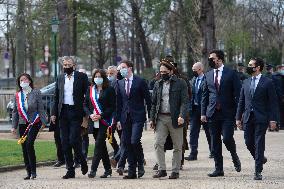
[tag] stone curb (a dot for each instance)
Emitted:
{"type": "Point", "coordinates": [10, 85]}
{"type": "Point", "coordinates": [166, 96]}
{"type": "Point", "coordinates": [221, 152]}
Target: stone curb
{"type": "Point", "coordinates": [22, 166]}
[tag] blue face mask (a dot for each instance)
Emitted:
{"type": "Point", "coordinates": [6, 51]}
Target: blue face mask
{"type": "Point", "coordinates": [124, 72]}
{"type": "Point", "coordinates": [111, 78]}
{"type": "Point", "coordinates": [98, 80]}
{"type": "Point", "coordinates": [281, 72]}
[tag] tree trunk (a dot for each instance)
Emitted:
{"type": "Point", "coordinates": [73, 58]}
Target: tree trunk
{"type": "Point", "coordinates": [113, 37]}
{"type": "Point", "coordinates": [13, 49]}
{"type": "Point", "coordinates": [64, 28]}
{"type": "Point", "coordinates": [141, 34]}
{"type": "Point", "coordinates": [207, 29]}
{"type": "Point", "coordinates": [20, 37]}
{"type": "Point", "coordinates": [74, 29]}
{"type": "Point", "coordinates": [138, 57]}
{"type": "Point", "coordinates": [31, 58]}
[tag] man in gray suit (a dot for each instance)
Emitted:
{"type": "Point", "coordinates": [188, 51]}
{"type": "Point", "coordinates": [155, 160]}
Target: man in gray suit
{"type": "Point", "coordinates": [70, 90]}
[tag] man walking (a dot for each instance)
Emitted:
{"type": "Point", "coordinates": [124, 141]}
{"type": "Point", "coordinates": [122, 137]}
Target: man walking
{"type": "Point", "coordinates": [168, 114]}
{"type": "Point", "coordinates": [132, 91]}
{"type": "Point", "coordinates": [195, 104]}
{"type": "Point", "coordinates": [70, 90]}
{"type": "Point", "coordinates": [218, 107]}
{"type": "Point", "coordinates": [258, 109]}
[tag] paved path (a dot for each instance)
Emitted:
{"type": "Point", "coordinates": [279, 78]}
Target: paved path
{"type": "Point", "coordinates": [193, 175]}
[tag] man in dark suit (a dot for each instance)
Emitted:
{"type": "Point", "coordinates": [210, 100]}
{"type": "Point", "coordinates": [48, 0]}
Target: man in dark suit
{"type": "Point", "coordinates": [195, 113]}
{"type": "Point", "coordinates": [218, 107]}
{"type": "Point", "coordinates": [258, 109]}
{"type": "Point", "coordinates": [70, 90]}
{"type": "Point", "coordinates": [131, 113]}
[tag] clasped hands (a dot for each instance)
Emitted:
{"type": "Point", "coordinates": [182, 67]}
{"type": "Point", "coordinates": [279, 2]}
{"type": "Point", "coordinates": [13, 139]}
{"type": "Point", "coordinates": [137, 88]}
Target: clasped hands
{"type": "Point", "coordinates": [95, 117]}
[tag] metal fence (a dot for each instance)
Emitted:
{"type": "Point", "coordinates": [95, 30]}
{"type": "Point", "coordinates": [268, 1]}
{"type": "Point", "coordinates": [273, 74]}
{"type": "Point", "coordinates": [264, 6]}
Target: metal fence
{"type": "Point", "coordinates": [5, 113]}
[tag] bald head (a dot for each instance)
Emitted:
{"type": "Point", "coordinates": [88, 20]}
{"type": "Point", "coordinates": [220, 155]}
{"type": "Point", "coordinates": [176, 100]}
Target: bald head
{"type": "Point", "coordinates": [198, 67]}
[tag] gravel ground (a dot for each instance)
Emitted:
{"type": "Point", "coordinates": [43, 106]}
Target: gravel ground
{"type": "Point", "coordinates": [194, 174]}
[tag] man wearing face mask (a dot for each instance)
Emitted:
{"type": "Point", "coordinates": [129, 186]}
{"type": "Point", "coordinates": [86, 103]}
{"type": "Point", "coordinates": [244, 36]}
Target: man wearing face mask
{"type": "Point", "coordinates": [132, 92]}
{"type": "Point", "coordinates": [168, 114]}
{"type": "Point", "coordinates": [70, 90]}
{"type": "Point", "coordinates": [258, 109]}
{"type": "Point", "coordinates": [220, 97]}
{"type": "Point", "coordinates": [195, 104]}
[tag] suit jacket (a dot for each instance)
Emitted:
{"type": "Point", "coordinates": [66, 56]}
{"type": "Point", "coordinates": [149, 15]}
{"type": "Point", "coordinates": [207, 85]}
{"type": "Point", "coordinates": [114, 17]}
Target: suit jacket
{"type": "Point", "coordinates": [107, 100]}
{"type": "Point", "coordinates": [227, 96]}
{"type": "Point", "coordinates": [199, 93]}
{"type": "Point", "coordinates": [178, 100]}
{"type": "Point", "coordinates": [134, 103]}
{"type": "Point", "coordinates": [80, 87]}
{"type": "Point", "coordinates": [34, 105]}
{"type": "Point", "coordinates": [263, 103]}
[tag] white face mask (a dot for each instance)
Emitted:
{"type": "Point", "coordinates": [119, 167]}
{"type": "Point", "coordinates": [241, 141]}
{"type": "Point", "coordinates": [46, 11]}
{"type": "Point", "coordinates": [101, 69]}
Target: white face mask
{"type": "Point", "coordinates": [98, 80]}
{"type": "Point", "coordinates": [25, 85]}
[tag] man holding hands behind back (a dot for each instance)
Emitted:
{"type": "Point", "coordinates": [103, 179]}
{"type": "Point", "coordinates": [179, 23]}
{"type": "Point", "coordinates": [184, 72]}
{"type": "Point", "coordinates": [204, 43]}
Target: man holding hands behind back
{"type": "Point", "coordinates": [258, 109]}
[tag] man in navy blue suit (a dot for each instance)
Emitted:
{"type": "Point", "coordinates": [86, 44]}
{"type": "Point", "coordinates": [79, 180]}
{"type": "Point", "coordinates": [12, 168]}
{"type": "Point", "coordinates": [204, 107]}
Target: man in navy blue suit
{"type": "Point", "coordinates": [195, 113]}
{"type": "Point", "coordinates": [220, 97]}
{"type": "Point", "coordinates": [257, 108]}
{"type": "Point", "coordinates": [131, 95]}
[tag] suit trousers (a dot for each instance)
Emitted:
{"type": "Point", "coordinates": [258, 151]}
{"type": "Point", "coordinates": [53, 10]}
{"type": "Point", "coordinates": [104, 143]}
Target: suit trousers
{"type": "Point", "coordinates": [163, 128]}
{"type": "Point", "coordinates": [195, 130]}
{"type": "Point", "coordinates": [100, 151]}
{"type": "Point", "coordinates": [57, 139]}
{"type": "Point", "coordinates": [254, 134]}
{"type": "Point", "coordinates": [131, 137]}
{"type": "Point", "coordinates": [28, 147]}
{"type": "Point", "coordinates": [70, 133]}
{"type": "Point", "coordinates": [218, 128]}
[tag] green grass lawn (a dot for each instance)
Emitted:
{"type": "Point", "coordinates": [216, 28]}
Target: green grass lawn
{"type": "Point", "coordinates": [11, 152]}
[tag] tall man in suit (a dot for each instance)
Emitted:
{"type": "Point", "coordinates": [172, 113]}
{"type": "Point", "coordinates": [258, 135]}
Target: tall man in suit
{"type": "Point", "coordinates": [218, 107]}
{"type": "Point", "coordinates": [131, 114]}
{"type": "Point", "coordinates": [258, 109]}
{"type": "Point", "coordinates": [195, 104]}
{"type": "Point", "coordinates": [70, 90]}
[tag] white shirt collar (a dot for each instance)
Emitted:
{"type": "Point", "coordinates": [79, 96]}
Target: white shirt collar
{"type": "Point", "coordinates": [258, 76]}
{"type": "Point", "coordinates": [70, 75]}
{"type": "Point", "coordinates": [220, 69]}
{"type": "Point", "coordinates": [130, 79]}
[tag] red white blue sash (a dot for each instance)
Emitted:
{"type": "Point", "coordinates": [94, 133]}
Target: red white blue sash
{"type": "Point", "coordinates": [22, 110]}
{"type": "Point", "coordinates": [97, 105]}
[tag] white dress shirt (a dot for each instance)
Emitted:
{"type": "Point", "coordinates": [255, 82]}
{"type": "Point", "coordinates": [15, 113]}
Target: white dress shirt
{"type": "Point", "coordinates": [68, 90]}
{"type": "Point", "coordinates": [219, 73]}
{"type": "Point", "coordinates": [257, 78]}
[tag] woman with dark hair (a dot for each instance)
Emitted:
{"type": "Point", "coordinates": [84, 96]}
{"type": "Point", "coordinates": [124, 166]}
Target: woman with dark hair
{"type": "Point", "coordinates": [28, 116]}
{"type": "Point", "coordinates": [99, 106]}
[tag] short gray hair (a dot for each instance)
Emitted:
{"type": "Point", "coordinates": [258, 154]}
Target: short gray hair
{"type": "Point", "coordinates": [67, 58]}
{"type": "Point", "coordinates": [112, 67]}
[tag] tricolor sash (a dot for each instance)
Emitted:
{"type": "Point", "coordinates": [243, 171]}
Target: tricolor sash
{"type": "Point", "coordinates": [22, 110]}
{"type": "Point", "coordinates": [98, 111]}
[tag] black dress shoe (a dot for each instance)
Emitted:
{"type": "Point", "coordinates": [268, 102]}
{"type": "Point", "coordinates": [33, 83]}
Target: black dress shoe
{"type": "Point", "coordinates": [59, 164]}
{"type": "Point", "coordinates": [92, 174]}
{"type": "Point", "coordinates": [160, 173]}
{"type": "Point", "coordinates": [69, 175]}
{"type": "Point", "coordinates": [84, 168]}
{"type": "Point", "coordinates": [120, 171]}
{"type": "Point", "coordinates": [106, 173]}
{"type": "Point", "coordinates": [174, 175]}
{"type": "Point", "coordinates": [216, 174]}
{"type": "Point", "coordinates": [141, 173]}
{"type": "Point", "coordinates": [237, 163]}
{"type": "Point", "coordinates": [264, 160]}
{"type": "Point", "coordinates": [257, 176]}
{"type": "Point", "coordinates": [27, 177]}
{"type": "Point", "coordinates": [33, 176]}
{"type": "Point", "coordinates": [130, 177]}
{"type": "Point", "coordinates": [156, 166]}
{"type": "Point", "coordinates": [191, 158]}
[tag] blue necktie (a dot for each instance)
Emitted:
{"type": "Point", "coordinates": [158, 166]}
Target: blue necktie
{"type": "Point", "coordinates": [196, 91]}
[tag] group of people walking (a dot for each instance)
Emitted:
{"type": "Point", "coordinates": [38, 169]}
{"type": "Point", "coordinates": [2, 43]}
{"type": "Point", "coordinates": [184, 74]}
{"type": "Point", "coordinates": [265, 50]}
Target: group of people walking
{"type": "Point", "coordinates": [119, 100]}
